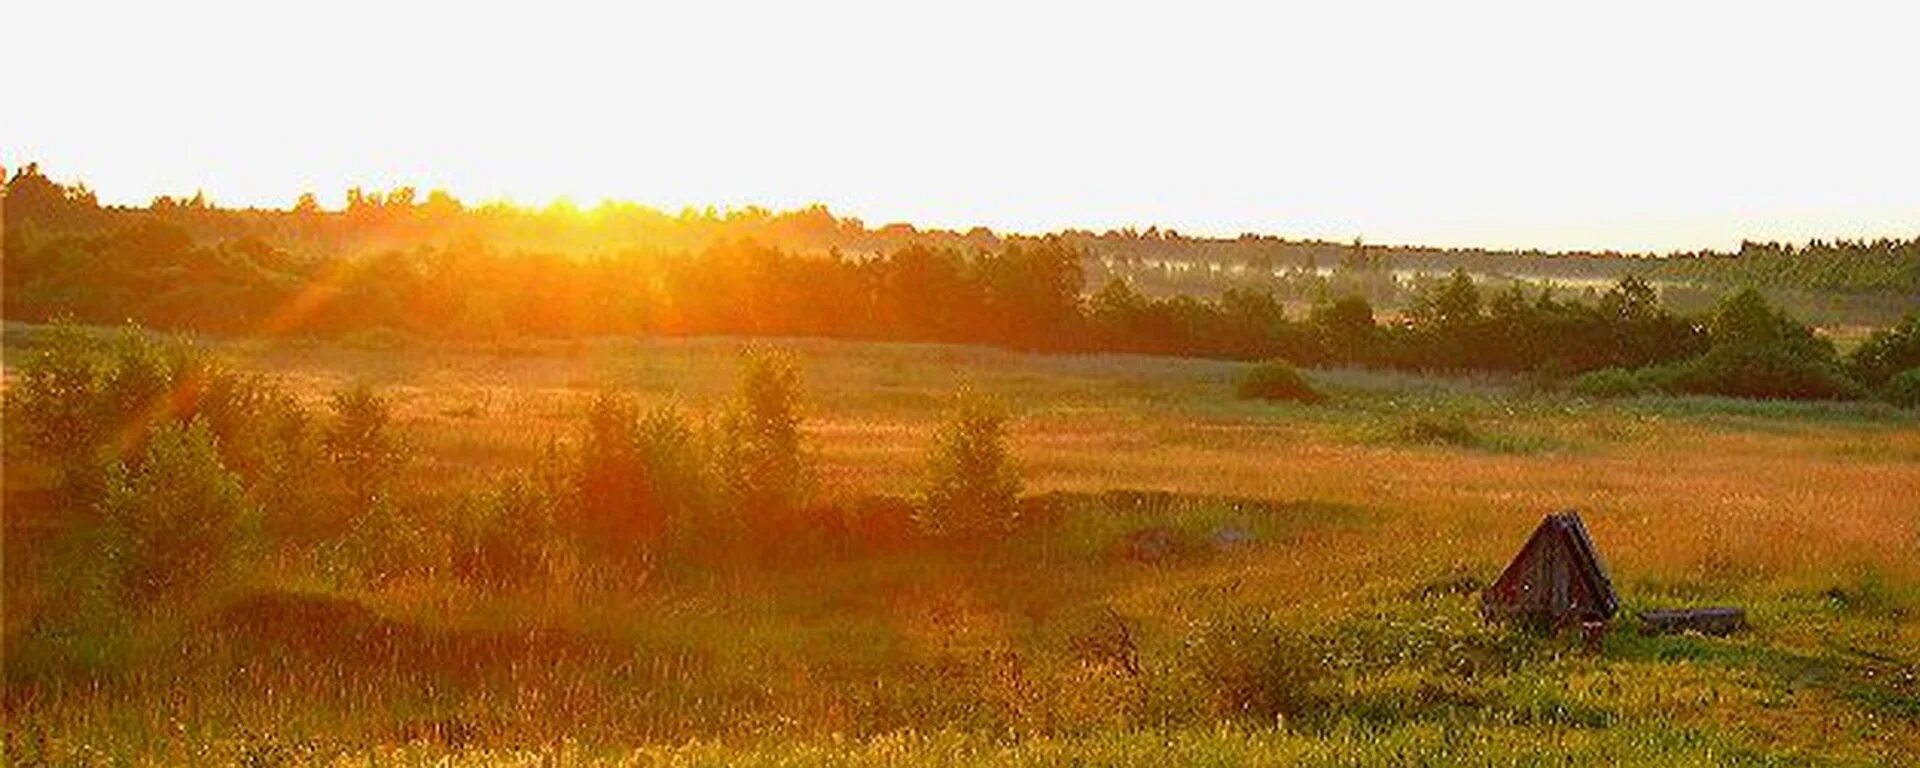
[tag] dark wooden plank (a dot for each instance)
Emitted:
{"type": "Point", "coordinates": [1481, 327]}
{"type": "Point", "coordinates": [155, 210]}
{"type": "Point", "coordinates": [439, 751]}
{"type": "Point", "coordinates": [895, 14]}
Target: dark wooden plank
{"type": "Point", "coordinates": [1718, 621]}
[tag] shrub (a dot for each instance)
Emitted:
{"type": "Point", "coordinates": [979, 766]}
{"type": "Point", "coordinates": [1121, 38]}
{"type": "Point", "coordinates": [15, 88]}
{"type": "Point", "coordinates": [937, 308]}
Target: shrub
{"type": "Point", "coordinates": [1345, 329]}
{"type": "Point", "coordinates": [607, 480]}
{"type": "Point", "coordinates": [360, 447]}
{"type": "Point", "coordinates": [1759, 352]}
{"type": "Point", "coordinates": [765, 471]}
{"type": "Point", "coordinates": [1888, 352]}
{"type": "Point", "coordinates": [1745, 370]}
{"type": "Point", "coordinates": [1611, 382]}
{"type": "Point", "coordinates": [53, 403]}
{"type": "Point", "coordinates": [84, 392]}
{"type": "Point", "coordinates": [1276, 380]}
{"type": "Point", "coordinates": [175, 515]}
{"type": "Point", "coordinates": [244, 412]}
{"type": "Point", "coordinates": [639, 479]}
{"type": "Point", "coordinates": [1663, 379]}
{"type": "Point", "coordinates": [377, 537]}
{"type": "Point", "coordinates": [972, 491]}
{"type": "Point", "coordinates": [502, 537]}
{"type": "Point", "coordinates": [678, 477]}
{"type": "Point", "coordinates": [1745, 319]}
{"type": "Point", "coordinates": [1257, 668]}
{"type": "Point", "coordinates": [140, 383]}
{"type": "Point", "coordinates": [1904, 389]}
{"type": "Point", "coordinates": [85, 401]}
{"type": "Point", "coordinates": [288, 486]}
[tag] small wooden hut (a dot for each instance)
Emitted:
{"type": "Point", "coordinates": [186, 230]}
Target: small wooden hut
{"type": "Point", "coordinates": [1556, 581]}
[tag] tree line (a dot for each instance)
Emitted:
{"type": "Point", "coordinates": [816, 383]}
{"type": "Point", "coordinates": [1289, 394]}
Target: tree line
{"type": "Point", "coordinates": [70, 258]}
{"type": "Point", "coordinates": [405, 218]}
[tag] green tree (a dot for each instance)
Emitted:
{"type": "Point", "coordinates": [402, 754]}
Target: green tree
{"type": "Point", "coordinates": [638, 479]}
{"type": "Point", "coordinates": [764, 468]}
{"type": "Point", "coordinates": [360, 447]}
{"type": "Point", "coordinates": [973, 489]}
{"type": "Point", "coordinates": [1449, 306]}
{"type": "Point", "coordinates": [1903, 389]}
{"type": "Point", "coordinates": [1759, 352]}
{"type": "Point", "coordinates": [1745, 319]}
{"type": "Point", "coordinates": [53, 404]}
{"type": "Point", "coordinates": [1888, 352]}
{"type": "Point", "coordinates": [1032, 293]}
{"type": "Point", "coordinates": [176, 514]}
{"type": "Point", "coordinates": [1448, 325]}
{"type": "Point", "coordinates": [1346, 329]}
{"type": "Point", "coordinates": [1632, 300]}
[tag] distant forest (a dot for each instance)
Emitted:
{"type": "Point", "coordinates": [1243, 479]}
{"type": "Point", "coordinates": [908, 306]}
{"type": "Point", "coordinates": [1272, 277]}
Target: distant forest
{"type": "Point", "coordinates": [397, 264]}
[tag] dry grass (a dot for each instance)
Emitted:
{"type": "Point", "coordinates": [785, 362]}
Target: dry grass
{"type": "Point", "coordinates": [1786, 496]}
{"type": "Point", "coordinates": [1805, 514]}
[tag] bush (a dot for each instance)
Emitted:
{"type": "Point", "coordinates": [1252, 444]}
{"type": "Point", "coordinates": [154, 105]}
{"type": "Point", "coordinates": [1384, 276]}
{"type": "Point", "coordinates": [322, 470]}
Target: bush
{"type": "Point", "coordinates": [1611, 382]}
{"type": "Point", "coordinates": [53, 405]}
{"type": "Point", "coordinates": [679, 483]}
{"type": "Point", "coordinates": [84, 391]}
{"type": "Point", "coordinates": [1745, 319]}
{"type": "Point", "coordinates": [377, 536]}
{"type": "Point", "coordinates": [609, 479]}
{"type": "Point", "coordinates": [1745, 370]}
{"type": "Point", "coordinates": [1888, 352]}
{"type": "Point", "coordinates": [761, 459]}
{"type": "Point", "coordinates": [244, 412]}
{"type": "Point", "coordinates": [1759, 352]}
{"type": "Point", "coordinates": [1276, 380]}
{"type": "Point", "coordinates": [288, 487]}
{"type": "Point", "coordinates": [174, 516]}
{"type": "Point", "coordinates": [141, 381]}
{"type": "Point", "coordinates": [502, 537]}
{"type": "Point", "coordinates": [361, 448]}
{"type": "Point", "coordinates": [1904, 389]}
{"type": "Point", "coordinates": [86, 395]}
{"type": "Point", "coordinates": [638, 480]}
{"type": "Point", "coordinates": [1345, 330]}
{"type": "Point", "coordinates": [973, 491]}
{"type": "Point", "coordinates": [1259, 669]}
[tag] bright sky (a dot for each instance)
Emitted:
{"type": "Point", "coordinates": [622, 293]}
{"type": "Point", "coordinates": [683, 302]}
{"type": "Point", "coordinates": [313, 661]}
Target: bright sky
{"type": "Point", "coordinates": [1630, 125]}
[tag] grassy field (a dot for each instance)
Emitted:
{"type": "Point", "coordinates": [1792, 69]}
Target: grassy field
{"type": "Point", "coordinates": [1321, 608]}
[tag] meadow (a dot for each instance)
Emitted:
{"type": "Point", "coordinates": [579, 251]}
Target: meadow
{"type": "Point", "coordinates": [1317, 603]}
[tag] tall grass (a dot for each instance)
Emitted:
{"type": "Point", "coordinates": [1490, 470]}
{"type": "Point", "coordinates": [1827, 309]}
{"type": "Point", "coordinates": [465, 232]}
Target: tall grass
{"type": "Point", "coordinates": [1322, 614]}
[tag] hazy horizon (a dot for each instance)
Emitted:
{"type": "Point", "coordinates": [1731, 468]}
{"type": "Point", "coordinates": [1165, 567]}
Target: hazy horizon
{"type": "Point", "coordinates": [1640, 128]}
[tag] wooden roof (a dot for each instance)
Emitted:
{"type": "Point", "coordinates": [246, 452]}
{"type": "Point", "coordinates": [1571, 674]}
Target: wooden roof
{"type": "Point", "coordinates": [1556, 578]}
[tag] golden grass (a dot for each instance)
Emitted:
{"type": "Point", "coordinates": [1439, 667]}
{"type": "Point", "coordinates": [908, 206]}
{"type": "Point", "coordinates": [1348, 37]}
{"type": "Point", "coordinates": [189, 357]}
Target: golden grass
{"type": "Point", "coordinates": [1688, 500]}
{"type": "Point", "coordinates": [1667, 494]}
